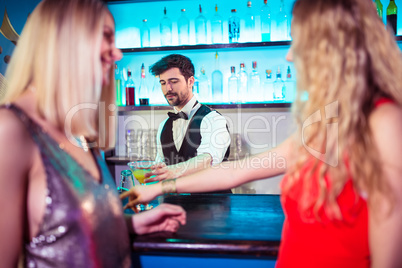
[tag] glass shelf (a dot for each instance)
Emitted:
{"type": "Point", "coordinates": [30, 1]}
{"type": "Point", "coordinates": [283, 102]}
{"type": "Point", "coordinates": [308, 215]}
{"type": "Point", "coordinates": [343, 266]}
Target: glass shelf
{"type": "Point", "coordinates": [216, 46]}
{"type": "Point", "coordinates": [124, 109]}
{"type": "Point", "coordinates": [210, 46]}
{"type": "Point", "coordinates": [134, 1]}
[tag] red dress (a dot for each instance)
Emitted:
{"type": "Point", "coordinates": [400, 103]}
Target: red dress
{"type": "Point", "coordinates": [324, 243]}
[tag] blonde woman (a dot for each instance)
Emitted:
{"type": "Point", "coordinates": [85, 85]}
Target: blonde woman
{"type": "Point", "coordinates": [342, 191]}
{"type": "Point", "coordinates": [58, 201]}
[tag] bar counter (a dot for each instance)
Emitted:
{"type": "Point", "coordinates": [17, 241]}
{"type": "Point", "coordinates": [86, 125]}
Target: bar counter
{"type": "Point", "coordinates": [221, 229]}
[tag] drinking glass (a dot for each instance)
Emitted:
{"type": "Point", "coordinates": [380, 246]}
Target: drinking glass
{"type": "Point", "coordinates": [140, 168]}
{"type": "Point", "coordinates": [126, 181]}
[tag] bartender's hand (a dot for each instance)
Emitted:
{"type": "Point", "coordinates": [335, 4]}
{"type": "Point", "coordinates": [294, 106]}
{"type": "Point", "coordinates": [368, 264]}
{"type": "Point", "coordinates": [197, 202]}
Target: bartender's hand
{"type": "Point", "coordinates": [165, 217]}
{"type": "Point", "coordinates": [160, 172]}
{"type": "Point", "coordinates": [141, 194]}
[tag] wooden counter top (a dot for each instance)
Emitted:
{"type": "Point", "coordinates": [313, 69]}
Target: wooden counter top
{"type": "Point", "coordinates": [228, 224]}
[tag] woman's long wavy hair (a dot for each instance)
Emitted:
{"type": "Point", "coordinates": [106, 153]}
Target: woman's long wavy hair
{"type": "Point", "coordinates": [59, 52]}
{"type": "Point", "coordinates": [345, 61]}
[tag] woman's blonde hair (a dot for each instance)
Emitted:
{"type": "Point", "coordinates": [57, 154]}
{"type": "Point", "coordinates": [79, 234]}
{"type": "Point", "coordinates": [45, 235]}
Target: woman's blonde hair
{"type": "Point", "coordinates": [59, 53]}
{"type": "Point", "coordinates": [345, 61]}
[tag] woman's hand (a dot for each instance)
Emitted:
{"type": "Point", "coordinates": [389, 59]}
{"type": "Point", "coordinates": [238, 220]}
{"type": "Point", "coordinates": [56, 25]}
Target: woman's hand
{"type": "Point", "coordinates": [161, 172]}
{"type": "Point", "coordinates": [165, 217]}
{"type": "Point", "coordinates": [140, 194]}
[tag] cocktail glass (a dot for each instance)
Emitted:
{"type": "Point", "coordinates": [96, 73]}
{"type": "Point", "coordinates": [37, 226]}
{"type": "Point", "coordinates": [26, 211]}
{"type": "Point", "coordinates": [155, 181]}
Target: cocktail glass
{"type": "Point", "coordinates": [140, 168]}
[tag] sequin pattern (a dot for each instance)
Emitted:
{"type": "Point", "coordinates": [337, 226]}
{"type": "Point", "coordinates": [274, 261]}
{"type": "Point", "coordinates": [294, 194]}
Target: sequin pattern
{"type": "Point", "coordinates": [83, 225]}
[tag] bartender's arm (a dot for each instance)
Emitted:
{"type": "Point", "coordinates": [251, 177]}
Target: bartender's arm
{"type": "Point", "coordinates": [215, 140]}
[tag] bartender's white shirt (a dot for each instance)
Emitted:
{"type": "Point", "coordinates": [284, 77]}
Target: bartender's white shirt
{"type": "Point", "coordinates": [215, 138]}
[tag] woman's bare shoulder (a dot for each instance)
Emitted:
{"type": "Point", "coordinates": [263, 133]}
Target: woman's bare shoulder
{"type": "Point", "coordinates": [386, 128]}
{"type": "Point", "coordinates": [14, 137]}
{"type": "Point", "coordinates": [11, 126]}
{"type": "Point", "coordinates": [386, 120]}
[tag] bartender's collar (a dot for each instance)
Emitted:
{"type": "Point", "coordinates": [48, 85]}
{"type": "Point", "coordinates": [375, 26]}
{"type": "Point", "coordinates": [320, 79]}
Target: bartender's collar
{"type": "Point", "coordinates": [188, 107]}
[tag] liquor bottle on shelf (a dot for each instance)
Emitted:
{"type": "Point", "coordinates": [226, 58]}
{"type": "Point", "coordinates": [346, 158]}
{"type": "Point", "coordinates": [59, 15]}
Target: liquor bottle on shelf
{"type": "Point", "coordinates": [118, 82]}
{"type": "Point", "coordinates": [392, 11]}
{"type": "Point", "coordinates": [265, 22]}
{"type": "Point", "coordinates": [204, 92]}
{"type": "Point", "coordinates": [130, 89]}
{"type": "Point", "coordinates": [143, 94]}
{"type": "Point", "coordinates": [233, 86]}
{"type": "Point", "coordinates": [255, 83]}
{"type": "Point", "coordinates": [216, 28]}
{"type": "Point", "coordinates": [249, 25]}
{"type": "Point", "coordinates": [378, 5]}
{"type": "Point", "coordinates": [268, 86]}
{"type": "Point", "coordinates": [279, 87]}
{"type": "Point", "coordinates": [282, 24]}
{"type": "Point", "coordinates": [183, 28]}
{"type": "Point", "coordinates": [217, 82]}
{"type": "Point", "coordinates": [165, 27]}
{"type": "Point", "coordinates": [290, 86]}
{"type": "Point", "coordinates": [243, 83]}
{"type": "Point", "coordinates": [156, 96]}
{"type": "Point", "coordinates": [123, 73]}
{"type": "Point", "coordinates": [234, 27]}
{"type": "Point", "coordinates": [145, 34]}
{"type": "Point", "coordinates": [200, 29]}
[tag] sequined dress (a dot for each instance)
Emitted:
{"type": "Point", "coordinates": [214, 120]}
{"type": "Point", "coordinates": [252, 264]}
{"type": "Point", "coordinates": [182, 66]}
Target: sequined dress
{"type": "Point", "coordinates": [83, 224]}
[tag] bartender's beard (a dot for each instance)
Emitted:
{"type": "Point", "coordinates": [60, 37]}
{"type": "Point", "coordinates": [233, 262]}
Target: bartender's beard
{"type": "Point", "coordinates": [179, 99]}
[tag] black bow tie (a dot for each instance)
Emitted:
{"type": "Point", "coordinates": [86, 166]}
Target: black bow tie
{"type": "Point", "coordinates": [175, 116]}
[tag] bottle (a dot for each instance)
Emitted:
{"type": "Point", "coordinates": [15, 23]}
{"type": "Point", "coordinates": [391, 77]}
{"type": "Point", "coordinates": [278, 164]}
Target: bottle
{"type": "Point", "coordinates": [183, 28]}
{"type": "Point", "coordinates": [217, 82]}
{"type": "Point", "coordinates": [156, 96]}
{"type": "Point", "coordinates": [268, 86]}
{"type": "Point", "coordinates": [279, 87]}
{"type": "Point", "coordinates": [143, 94]}
{"type": "Point", "coordinates": [290, 86]}
{"type": "Point", "coordinates": [265, 22]}
{"type": "Point", "coordinates": [165, 27]}
{"type": "Point", "coordinates": [378, 5]}
{"type": "Point", "coordinates": [216, 28]}
{"type": "Point", "coordinates": [282, 23]}
{"type": "Point", "coordinates": [233, 86]}
{"type": "Point", "coordinates": [243, 83]}
{"type": "Point", "coordinates": [234, 27]}
{"type": "Point", "coordinates": [145, 34]}
{"type": "Point", "coordinates": [204, 92]}
{"type": "Point", "coordinates": [249, 25]}
{"type": "Point", "coordinates": [392, 11]}
{"type": "Point", "coordinates": [255, 81]}
{"type": "Point", "coordinates": [200, 29]}
{"type": "Point", "coordinates": [130, 89]}
{"type": "Point", "coordinates": [123, 74]}
{"type": "Point", "coordinates": [117, 79]}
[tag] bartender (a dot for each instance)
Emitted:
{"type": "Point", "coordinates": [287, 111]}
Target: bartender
{"type": "Point", "coordinates": [194, 136]}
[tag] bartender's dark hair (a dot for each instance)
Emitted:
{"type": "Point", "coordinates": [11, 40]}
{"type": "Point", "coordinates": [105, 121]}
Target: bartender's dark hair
{"type": "Point", "coordinates": [184, 64]}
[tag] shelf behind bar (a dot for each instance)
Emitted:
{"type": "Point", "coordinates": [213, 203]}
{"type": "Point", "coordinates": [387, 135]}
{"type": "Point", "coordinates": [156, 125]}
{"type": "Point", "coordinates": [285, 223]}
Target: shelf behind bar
{"type": "Point", "coordinates": [124, 109]}
{"type": "Point", "coordinates": [211, 46]}
{"type": "Point", "coordinates": [133, 1]}
{"type": "Point", "coordinates": [215, 46]}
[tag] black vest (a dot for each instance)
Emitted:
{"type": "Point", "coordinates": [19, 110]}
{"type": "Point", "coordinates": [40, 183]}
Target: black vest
{"type": "Point", "coordinates": [191, 141]}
